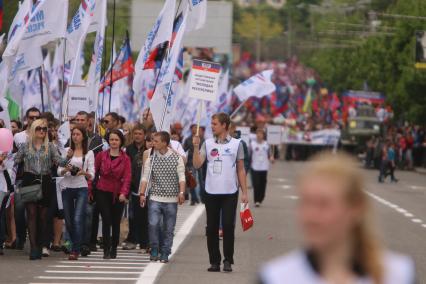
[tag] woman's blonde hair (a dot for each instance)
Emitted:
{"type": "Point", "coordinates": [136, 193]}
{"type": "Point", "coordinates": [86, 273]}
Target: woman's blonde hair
{"type": "Point", "coordinates": [366, 247]}
{"type": "Point", "coordinates": [31, 137]}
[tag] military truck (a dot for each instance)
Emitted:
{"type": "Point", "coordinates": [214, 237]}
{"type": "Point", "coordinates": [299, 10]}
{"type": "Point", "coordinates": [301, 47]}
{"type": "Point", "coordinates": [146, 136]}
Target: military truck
{"type": "Point", "coordinates": [360, 128]}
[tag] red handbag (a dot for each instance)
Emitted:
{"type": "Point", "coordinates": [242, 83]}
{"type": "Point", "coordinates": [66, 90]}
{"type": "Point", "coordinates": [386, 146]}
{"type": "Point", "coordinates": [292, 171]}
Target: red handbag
{"type": "Point", "coordinates": [246, 217]}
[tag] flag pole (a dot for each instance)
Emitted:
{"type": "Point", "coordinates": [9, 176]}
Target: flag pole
{"type": "Point", "coordinates": [112, 52]}
{"type": "Point", "coordinates": [238, 108]}
{"type": "Point", "coordinates": [40, 76]}
{"type": "Point", "coordinates": [103, 72]}
{"type": "Point", "coordinates": [63, 81]}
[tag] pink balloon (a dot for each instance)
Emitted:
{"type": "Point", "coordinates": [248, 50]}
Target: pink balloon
{"type": "Point", "coordinates": [6, 140]}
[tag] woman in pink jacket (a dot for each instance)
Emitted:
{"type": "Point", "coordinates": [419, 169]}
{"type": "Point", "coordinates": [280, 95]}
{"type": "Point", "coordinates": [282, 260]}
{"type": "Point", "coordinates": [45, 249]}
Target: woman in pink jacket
{"type": "Point", "coordinates": [113, 168]}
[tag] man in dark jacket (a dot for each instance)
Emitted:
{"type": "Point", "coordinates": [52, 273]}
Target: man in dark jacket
{"type": "Point", "coordinates": [138, 216]}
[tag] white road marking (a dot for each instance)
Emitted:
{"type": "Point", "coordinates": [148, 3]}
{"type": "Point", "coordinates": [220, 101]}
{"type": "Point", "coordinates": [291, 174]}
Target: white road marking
{"type": "Point", "coordinates": [151, 272]}
{"type": "Point", "coordinates": [96, 267]}
{"type": "Point", "coordinates": [416, 187]}
{"type": "Point", "coordinates": [396, 208]}
{"type": "Point", "coordinates": [281, 179]}
{"type": "Point", "coordinates": [293, 197]}
{"type": "Point", "coordinates": [90, 272]}
{"type": "Point", "coordinates": [86, 278]}
{"type": "Point", "coordinates": [286, 186]}
{"type": "Point", "coordinates": [103, 262]}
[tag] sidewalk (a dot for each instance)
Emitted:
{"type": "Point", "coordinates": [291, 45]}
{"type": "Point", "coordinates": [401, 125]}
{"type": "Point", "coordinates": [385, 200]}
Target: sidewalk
{"type": "Point", "coordinates": [271, 236]}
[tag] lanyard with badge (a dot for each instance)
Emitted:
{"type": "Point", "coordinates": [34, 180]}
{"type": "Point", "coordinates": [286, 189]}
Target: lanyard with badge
{"type": "Point", "coordinates": [217, 165]}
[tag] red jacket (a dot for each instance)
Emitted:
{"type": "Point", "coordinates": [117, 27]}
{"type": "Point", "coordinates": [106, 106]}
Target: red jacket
{"type": "Point", "coordinates": [114, 175]}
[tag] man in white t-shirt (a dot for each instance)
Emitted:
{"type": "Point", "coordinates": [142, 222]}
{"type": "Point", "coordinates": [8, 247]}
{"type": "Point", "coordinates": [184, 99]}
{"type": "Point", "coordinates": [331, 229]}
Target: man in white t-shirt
{"type": "Point", "coordinates": [225, 174]}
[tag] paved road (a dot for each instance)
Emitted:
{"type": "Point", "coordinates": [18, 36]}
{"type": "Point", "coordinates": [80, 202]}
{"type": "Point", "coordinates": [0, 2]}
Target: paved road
{"type": "Point", "coordinates": [128, 268]}
{"type": "Point", "coordinates": [401, 218]}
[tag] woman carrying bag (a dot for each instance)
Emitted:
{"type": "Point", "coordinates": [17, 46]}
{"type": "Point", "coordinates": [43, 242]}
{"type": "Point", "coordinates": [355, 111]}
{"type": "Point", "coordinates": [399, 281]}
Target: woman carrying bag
{"type": "Point", "coordinates": [37, 190]}
{"type": "Point", "coordinates": [79, 170]}
{"type": "Point", "coordinates": [114, 170]}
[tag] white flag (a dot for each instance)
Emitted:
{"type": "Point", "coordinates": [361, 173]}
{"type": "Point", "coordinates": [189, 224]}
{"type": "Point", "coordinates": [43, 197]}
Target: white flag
{"type": "Point", "coordinates": [224, 96]}
{"type": "Point", "coordinates": [45, 22]}
{"type": "Point", "coordinates": [259, 85]}
{"type": "Point", "coordinates": [94, 78]}
{"type": "Point", "coordinates": [161, 100]}
{"type": "Point", "coordinates": [78, 28]}
{"type": "Point", "coordinates": [197, 14]}
{"type": "Point", "coordinates": [160, 34]}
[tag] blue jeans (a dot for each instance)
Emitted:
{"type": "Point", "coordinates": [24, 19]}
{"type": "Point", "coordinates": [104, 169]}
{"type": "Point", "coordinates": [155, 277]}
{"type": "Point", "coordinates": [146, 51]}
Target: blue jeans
{"type": "Point", "coordinates": [75, 203]}
{"type": "Point", "coordinates": [167, 212]}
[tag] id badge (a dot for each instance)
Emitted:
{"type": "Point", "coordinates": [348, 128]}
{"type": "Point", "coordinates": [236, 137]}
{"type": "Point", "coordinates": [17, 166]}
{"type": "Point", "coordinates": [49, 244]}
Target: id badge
{"type": "Point", "coordinates": [217, 167]}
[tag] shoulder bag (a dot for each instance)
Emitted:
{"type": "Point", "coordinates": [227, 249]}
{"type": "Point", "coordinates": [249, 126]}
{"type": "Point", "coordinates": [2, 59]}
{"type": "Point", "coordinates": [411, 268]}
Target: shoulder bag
{"type": "Point", "coordinates": [31, 193]}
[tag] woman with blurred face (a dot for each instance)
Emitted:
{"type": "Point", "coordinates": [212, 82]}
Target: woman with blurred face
{"type": "Point", "coordinates": [38, 156]}
{"type": "Point", "coordinates": [113, 167]}
{"type": "Point", "coordinates": [339, 244]}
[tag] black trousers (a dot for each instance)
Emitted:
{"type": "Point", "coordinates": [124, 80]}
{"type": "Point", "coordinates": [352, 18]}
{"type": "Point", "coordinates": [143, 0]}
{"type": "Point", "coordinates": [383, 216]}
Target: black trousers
{"type": "Point", "coordinates": [138, 223]}
{"type": "Point", "coordinates": [259, 180]}
{"type": "Point", "coordinates": [218, 205]}
{"type": "Point", "coordinates": [111, 211]}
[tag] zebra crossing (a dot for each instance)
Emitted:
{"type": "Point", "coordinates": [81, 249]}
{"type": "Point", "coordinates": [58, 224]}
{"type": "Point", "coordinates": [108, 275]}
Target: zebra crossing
{"type": "Point", "coordinates": [128, 267]}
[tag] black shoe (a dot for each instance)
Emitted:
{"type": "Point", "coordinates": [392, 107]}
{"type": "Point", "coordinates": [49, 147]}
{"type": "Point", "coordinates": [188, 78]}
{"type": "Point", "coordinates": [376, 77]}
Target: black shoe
{"type": "Point", "coordinates": [1, 251]}
{"type": "Point", "coordinates": [395, 180]}
{"type": "Point", "coordinates": [227, 267]}
{"type": "Point", "coordinates": [85, 251]}
{"type": "Point", "coordinates": [35, 254]}
{"type": "Point", "coordinates": [107, 254]}
{"type": "Point", "coordinates": [113, 253]}
{"type": "Point", "coordinates": [214, 268]}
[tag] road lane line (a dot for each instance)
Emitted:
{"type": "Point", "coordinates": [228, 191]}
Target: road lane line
{"type": "Point", "coordinates": [151, 272]}
{"type": "Point", "coordinates": [397, 208]}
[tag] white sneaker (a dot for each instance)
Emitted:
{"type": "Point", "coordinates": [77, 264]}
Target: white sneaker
{"type": "Point", "coordinates": [257, 204]}
{"type": "Point", "coordinates": [45, 252]}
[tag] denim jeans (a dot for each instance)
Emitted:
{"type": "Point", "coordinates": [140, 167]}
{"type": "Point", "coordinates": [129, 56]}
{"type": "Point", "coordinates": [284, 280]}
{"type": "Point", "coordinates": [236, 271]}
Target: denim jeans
{"type": "Point", "coordinates": [75, 204]}
{"type": "Point", "coordinates": [167, 212]}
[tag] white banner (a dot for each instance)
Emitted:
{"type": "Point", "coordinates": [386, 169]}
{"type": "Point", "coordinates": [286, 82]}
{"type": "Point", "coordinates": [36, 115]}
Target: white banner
{"type": "Point", "coordinates": [324, 137]}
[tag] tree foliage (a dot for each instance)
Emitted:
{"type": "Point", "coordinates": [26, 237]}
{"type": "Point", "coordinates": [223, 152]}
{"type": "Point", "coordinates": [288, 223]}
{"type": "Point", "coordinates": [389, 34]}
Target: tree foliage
{"type": "Point", "coordinates": [385, 62]}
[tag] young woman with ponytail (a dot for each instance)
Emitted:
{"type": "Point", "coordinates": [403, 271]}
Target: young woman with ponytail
{"type": "Point", "coordinates": [340, 245]}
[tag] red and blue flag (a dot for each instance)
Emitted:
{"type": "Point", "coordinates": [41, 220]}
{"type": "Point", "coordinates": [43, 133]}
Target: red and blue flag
{"type": "Point", "coordinates": [122, 67]}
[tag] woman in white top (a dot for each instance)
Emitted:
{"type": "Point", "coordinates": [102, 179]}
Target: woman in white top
{"type": "Point", "coordinates": [339, 243]}
{"type": "Point", "coordinates": [260, 159]}
{"type": "Point", "coordinates": [80, 169]}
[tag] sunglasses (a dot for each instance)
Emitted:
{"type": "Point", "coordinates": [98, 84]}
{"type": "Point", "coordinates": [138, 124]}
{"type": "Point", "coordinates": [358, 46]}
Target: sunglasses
{"type": "Point", "coordinates": [39, 128]}
{"type": "Point", "coordinates": [33, 117]}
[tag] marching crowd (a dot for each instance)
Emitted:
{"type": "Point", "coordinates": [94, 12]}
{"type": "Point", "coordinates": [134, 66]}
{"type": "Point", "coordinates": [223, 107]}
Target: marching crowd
{"type": "Point", "coordinates": [59, 188]}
